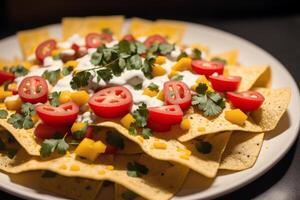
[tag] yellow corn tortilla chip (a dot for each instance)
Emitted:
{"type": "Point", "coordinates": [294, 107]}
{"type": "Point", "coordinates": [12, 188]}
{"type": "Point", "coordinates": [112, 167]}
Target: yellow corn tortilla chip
{"type": "Point", "coordinates": [242, 150]}
{"type": "Point", "coordinates": [85, 25]}
{"type": "Point", "coordinates": [122, 193]}
{"type": "Point", "coordinates": [230, 56]}
{"type": "Point", "coordinates": [30, 39]}
{"type": "Point", "coordinates": [264, 119]}
{"type": "Point", "coordinates": [251, 76]}
{"type": "Point", "coordinates": [140, 27]}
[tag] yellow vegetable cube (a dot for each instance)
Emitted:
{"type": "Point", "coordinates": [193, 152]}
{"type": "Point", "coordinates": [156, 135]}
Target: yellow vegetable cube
{"type": "Point", "coordinates": [75, 167]}
{"type": "Point", "coordinates": [78, 126]}
{"type": "Point", "coordinates": [80, 97]}
{"type": "Point", "coordinates": [160, 60]}
{"type": "Point", "coordinates": [183, 64]}
{"type": "Point", "coordinates": [159, 145]}
{"type": "Point", "coordinates": [202, 79]}
{"type": "Point", "coordinates": [35, 118]}
{"type": "Point", "coordinates": [161, 96]}
{"type": "Point", "coordinates": [56, 52]}
{"type": "Point", "coordinates": [90, 149]}
{"type": "Point", "coordinates": [158, 70]}
{"type": "Point", "coordinates": [236, 116]}
{"type": "Point", "coordinates": [127, 120]}
{"type": "Point", "coordinates": [99, 147]}
{"type": "Point", "coordinates": [172, 73]}
{"type": "Point", "coordinates": [13, 104]}
{"type": "Point", "coordinates": [64, 97]}
{"type": "Point", "coordinates": [185, 124]}
{"type": "Point", "coordinates": [4, 94]}
{"type": "Point", "coordinates": [71, 63]}
{"type": "Point", "coordinates": [27, 64]}
{"type": "Point", "coordinates": [149, 92]}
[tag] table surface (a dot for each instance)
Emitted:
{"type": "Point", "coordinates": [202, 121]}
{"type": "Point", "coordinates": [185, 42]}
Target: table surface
{"type": "Point", "coordinates": [280, 36]}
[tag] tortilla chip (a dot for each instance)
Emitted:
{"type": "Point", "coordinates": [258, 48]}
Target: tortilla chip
{"type": "Point", "coordinates": [264, 119]}
{"type": "Point", "coordinates": [140, 27]}
{"type": "Point", "coordinates": [206, 164]}
{"type": "Point", "coordinates": [251, 76]}
{"type": "Point", "coordinates": [122, 193]}
{"type": "Point", "coordinates": [242, 150]}
{"type": "Point", "coordinates": [230, 56]}
{"type": "Point", "coordinates": [30, 39]}
{"type": "Point", "coordinates": [85, 25]}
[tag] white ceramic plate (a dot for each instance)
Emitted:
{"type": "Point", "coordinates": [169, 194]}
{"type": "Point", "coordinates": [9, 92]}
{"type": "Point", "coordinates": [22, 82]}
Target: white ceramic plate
{"type": "Point", "coordinates": [273, 149]}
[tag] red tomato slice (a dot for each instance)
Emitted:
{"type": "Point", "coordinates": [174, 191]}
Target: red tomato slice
{"type": "Point", "coordinates": [166, 115]}
{"type": "Point", "coordinates": [75, 47]}
{"type": "Point", "coordinates": [33, 89]}
{"type": "Point", "coordinates": [177, 93]}
{"type": "Point", "coordinates": [158, 127]}
{"type": "Point", "coordinates": [64, 115]}
{"type": "Point", "coordinates": [129, 38]}
{"type": "Point", "coordinates": [225, 83]}
{"type": "Point", "coordinates": [6, 77]}
{"type": "Point", "coordinates": [207, 68]}
{"type": "Point", "coordinates": [246, 101]}
{"type": "Point", "coordinates": [93, 40]}
{"type": "Point", "coordinates": [45, 131]}
{"type": "Point", "coordinates": [154, 39]}
{"type": "Point", "coordinates": [111, 102]}
{"type": "Point", "coordinates": [106, 37]}
{"type": "Point", "coordinates": [110, 149]}
{"type": "Point", "coordinates": [45, 49]}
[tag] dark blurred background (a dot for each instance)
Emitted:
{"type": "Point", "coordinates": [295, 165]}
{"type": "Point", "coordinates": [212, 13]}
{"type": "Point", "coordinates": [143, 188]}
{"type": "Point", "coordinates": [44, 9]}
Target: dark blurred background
{"type": "Point", "coordinates": [271, 24]}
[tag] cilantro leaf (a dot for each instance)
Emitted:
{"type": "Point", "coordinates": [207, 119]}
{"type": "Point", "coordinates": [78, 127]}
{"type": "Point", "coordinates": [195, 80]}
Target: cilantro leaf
{"type": "Point", "coordinates": [50, 145]}
{"type": "Point", "coordinates": [16, 120]}
{"type": "Point", "coordinates": [124, 47]}
{"type": "Point", "coordinates": [146, 133]}
{"type": "Point", "coordinates": [107, 31]}
{"type": "Point", "coordinates": [62, 146]}
{"type": "Point", "coordinates": [28, 109]}
{"type": "Point", "coordinates": [115, 140]}
{"type": "Point", "coordinates": [129, 195]}
{"type": "Point", "coordinates": [105, 74]}
{"type": "Point", "coordinates": [216, 59]}
{"type": "Point", "coordinates": [166, 48]}
{"type": "Point", "coordinates": [52, 76]}
{"type": "Point", "coordinates": [182, 55]}
{"type": "Point", "coordinates": [153, 87]}
{"type": "Point", "coordinates": [140, 48]}
{"type": "Point", "coordinates": [203, 147]}
{"type": "Point", "coordinates": [132, 130]}
{"type": "Point", "coordinates": [96, 58]}
{"type": "Point", "coordinates": [18, 70]}
{"type": "Point", "coordinates": [177, 77]}
{"type": "Point", "coordinates": [148, 65]}
{"type": "Point", "coordinates": [141, 115]}
{"type": "Point", "coordinates": [201, 88]}
{"type": "Point", "coordinates": [135, 62]}
{"type": "Point", "coordinates": [81, 79]}
{"type": "Point", "coordinates": [3, 114]}
{"type": "Point", "coordinates": [196, 53]}
{"type": "Point", "coordinates": [28, 123]}
{"type": "Point", "coordinates": [135, 169]}
{"type": "Point", "coordinates": [138, 86]}
{"type": "Point", "coordinates": [67, 70]}
{"type": "Point", "coordinates": [54, 98]}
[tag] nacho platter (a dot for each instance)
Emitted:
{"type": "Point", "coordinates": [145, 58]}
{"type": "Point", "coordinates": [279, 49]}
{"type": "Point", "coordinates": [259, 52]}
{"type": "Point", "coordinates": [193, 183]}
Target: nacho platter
{"type": "Point", "coordinates": [174, 137]}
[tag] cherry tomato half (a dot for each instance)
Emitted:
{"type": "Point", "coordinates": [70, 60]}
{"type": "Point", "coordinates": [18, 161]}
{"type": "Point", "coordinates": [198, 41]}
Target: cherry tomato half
{"type": "Point", "coordinates": [63, 115]}
{"type": "Point", "coordinates": [6, 76]}
{"type": "Point", "coordinates": [33, 89]}
{"type": "Point", "coordinates": [111, 102]}
{"type": "Point", "coordinates": [158, 127]}
{"type": "Point", "coordinates": [45, 49]}
{"type": "Point", "coordinates": [207, 68]}
{"type": "Point", "coordinates": [225, 83]}
{"type": "Point", "coordinates": [129, 38]}
{"type": "Point", "coordinates": [154, 39]}
{"type": "Point", "coordinates": [177, 93]}
{"type": "Point", "coordinates": [166, 115]}
{"type": "Point", "coordinates": [45, 131]}
{"type": "Point", "coordinates": [93, 40]}
{"type": "Point", "coordinates": [246, 101]}
{"type": "Point", "coordinates": [106, 37]}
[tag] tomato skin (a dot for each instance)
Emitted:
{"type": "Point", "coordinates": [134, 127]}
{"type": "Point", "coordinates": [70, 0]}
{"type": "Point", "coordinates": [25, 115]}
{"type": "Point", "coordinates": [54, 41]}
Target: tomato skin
{"type": "Point", "coordinates": [181, 92]}
{"type": "Point", "coordinates": [207, 68]}
{"type": "Point", "coordinates": [44, 49]}
{"type": "Point", "coordinates": [158, 127]}
{"type": "Point", "coordinates": [64, 115]}
{"type": "Point", "coordinates": [166, 115]}
{"type": "Point", "coordinates": [110, 149]}
{"type": "Point", "coordinates": [225, 83]}
{"type": "Point", "coordinates": [44, 131]}
{"type": "Point", "coordinates": [106, 37]}
{"type": "Point", "coordinates": [111, 102]}
{"type": "Point", "coordinates": [129, 38]}
{"type": "Point", "coordinates": [93, 40]}
{"type": "Point", "coordinates": [6, 76]}
{"type": "Point", "coordinates": [154, 39]}
{"type": "Point", "coordinates": [244, 101]}
{"type": "Point", "coordinates": [36, 82]}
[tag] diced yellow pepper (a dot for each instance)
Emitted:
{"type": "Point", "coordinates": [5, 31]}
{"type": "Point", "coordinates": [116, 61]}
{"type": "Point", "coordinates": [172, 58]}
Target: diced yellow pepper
{"type": "Point", "coordinates": [202, 79]}
{"type": "Point", "coordinates": [80, 97]}
{"type": "Point", "coordinates": [64, 97]}
{"type": "Point", "coordinates": [71, 63]}
{"type": "Point", "coordinates": [149, 92]}
{"type": "Point", "coordinates": [55, 52]}
{"type": "Point", "coordinates": [172, 73]}
{"type": "Point", "coordinates": [75, 167]}
{"type": "Point", "coordinates": [4, 94]}
{"type": "Point", "coordinates": [185, 124]}
{"type": "Point", "coordinates": [158, 70]}
{"type": "Point", "coordinates": [27, 64]}
{"type": "Point", "coordinates": [14, 104]}
{"type": "Point", "coordinates": [160, 60]}
{"type": "Point", "coordinates": [99, 147]}
{"type": "Point", "coordinates": [183, 64]}
{"type": "Point", "coordinates": [159, 145]}
{"type": "Point", "coordinates": [236, 116]}
{"type": "Point", "coordinates": [12, 86]}
{"type": "Point", "coordinates": [78, 126]}
{"type": "Point", "coordinates": [90, 149]}
{"type": "Point", "coordinates": [161, 96]}
{"type": "Point", "coordinates": [35, 118]}
{"type": "Point", "coordinates": [140, 138]}
{"type": "Point", "coordinates": [127, 120]}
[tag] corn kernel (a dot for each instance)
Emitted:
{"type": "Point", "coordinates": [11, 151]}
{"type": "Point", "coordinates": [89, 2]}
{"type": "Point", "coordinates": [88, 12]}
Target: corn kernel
{"type": "Point", "coordinates": [78, 126]}
{"type": "Point", "coordinates": [80, 97]}
{"type": "Point", "coordinates": [68, 154]}
{"type": "Point", "coordinates": [35, 118]}
{"type": "Point", "coordinates": [71, 63]}
{"type": "Point", "coordinates": [127, 120]}
{"type": "Point", "coordinates": [101, 172]}
{"type": "Point", "coordinates": [185, 151]}
{"type": "Point", "coordinates": [149, 92]}
{"type": "Point", "coordinates": [141, 139]}
{"type": "Point", "coordinates": [158, 70]}
{"type": "Point", "coordinates": [185, 157]}
{"type": "Point", "coordinates": [236, 116]}
{"type": "Point", "coordinates": [183, 64]}
{"type": "Point", "coordinates": [110, 167]}
{"type": "Point", "coordinates": [159, 145]}
{"type": "Point", "coordinates": [90, 149]}
{"type": "Point", "coordinates": [161, 96]}
{"type": "Point", "coordinates": [55, 52]}
{"type": "Point", "coordinates": [13, 104]}
{"type": "Point", "coordinates": [99, 147]}
{"type": "Point", "coordinates": [63, 166]}
{"type": "Point", "coordinates": [4, 94]}
{"type": "Point", "coordinates": [74, 168]}
{"type": "Point", "coordinates": [201, 129]}
{"type": "Point", "coordinates": [185, 124]}
{"type": "Point", "coordinates": [64, 97]}
{"type": "Point", "coordinates": [160, 60]}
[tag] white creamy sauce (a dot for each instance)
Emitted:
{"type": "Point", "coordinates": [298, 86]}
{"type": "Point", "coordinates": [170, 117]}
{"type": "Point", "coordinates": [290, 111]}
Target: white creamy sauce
{"type": "Point", "coordinates": [75, 39]}
{"type": "Point", "coordinates": [189, 78]}
{"type": "Point", "coordinates": [68, 52]}
{"type": "Point", "coordinates": [11, 98]}
{"type": "Point", "coordinates": [112, 43]}
{"type": "Point", "coordinates": [63, 84]}
{"type": "Point", "coordinates": [141, 39]}
{"type": "Point", "coordinates": [176, 52]}
{"type": "Point", "coordinates": [88, 117]}
{"type": "Point", "coordinates": [84, 63]}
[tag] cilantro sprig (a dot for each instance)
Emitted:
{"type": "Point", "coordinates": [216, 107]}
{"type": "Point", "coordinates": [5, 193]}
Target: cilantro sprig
{"type": "Point", "coordinates": [210, 103]}
{"type": "Point", "coordinates": [141, 116]}
{"type": "Point", "coordinates": [23, 119]}
{"type": "Point", "coordinates": [3, 114]}
{"type": "Point", "coordinates": [52, 76]}
{"type": "Point", "coordinates": [50, 145]}
{"type": "Point", "coordinates": [54, 98]}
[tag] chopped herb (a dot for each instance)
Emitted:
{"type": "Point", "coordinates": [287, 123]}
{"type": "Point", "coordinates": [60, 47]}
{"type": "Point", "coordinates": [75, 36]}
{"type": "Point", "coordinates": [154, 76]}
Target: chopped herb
{"type": "Point", "coordinates": [16, 120]}
{"type": "Point", "coordinates": [129, 195]}
{"type": "Point", "coordinates": [3, 114]}
{"type": "Point", "coordinates": [80, 133]}
{"type": "Point", "coordinates": [138, 86]}
{"type": "Point", "coordinates": [203, 147]}
{"type": "Point", "coordinates": [48, 174]}
{"type": "Point", "coordinates": [216, 59]}
{"type": "Point", "coordinates": [80, 79]}
{"type": "Point", "coordinates": [114, 139]}
{"type": "Point", "coordinates": [67, 70]}
{"type": "Point", "coordinates": [28, 109]}
{"type": "Point", "coordinates": [146, 133]}
{"type": "Point", "coordinates": [182, 55]}
{"type": "Point", "coordinates": [141, 115]}
{"type": "Point", "coordinates": [166, 48]}
{"type": "Point", "coordinates": [201, 88]}
{"type": "Point", "coordinates": [107, 30]}
{"type": "Point", "coordinates": [28, 123]}
{"type": "Point", "coordinates": [52, 76]}
{"type": "Point", "coordinates": [148, 65]}
{"type": "Point", "coordinates": [135, 169]}
{"type": "Point", "coordinates": [54, 98]}
{"type": "Point", "coordinates": [18, 70]}
{"type": "Point", "coordinates": [132, 130]}
{"type": "Point", "coordinates": [196, 53]}
{"type": "Point", "coordinates": [177, 77]}
{"type": "Point", "coordinates": [50, 145]}
{"type": "Point", "coordinates": [153, 87]}
{"type": "Point", "coordinates": [56, 57]}
{"type": "Point", "coordinates": [135, 62]}
{"type": "Point", "coordinates": [96, 58]}
{"type": "Point", "coordinates": [104, 74]}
